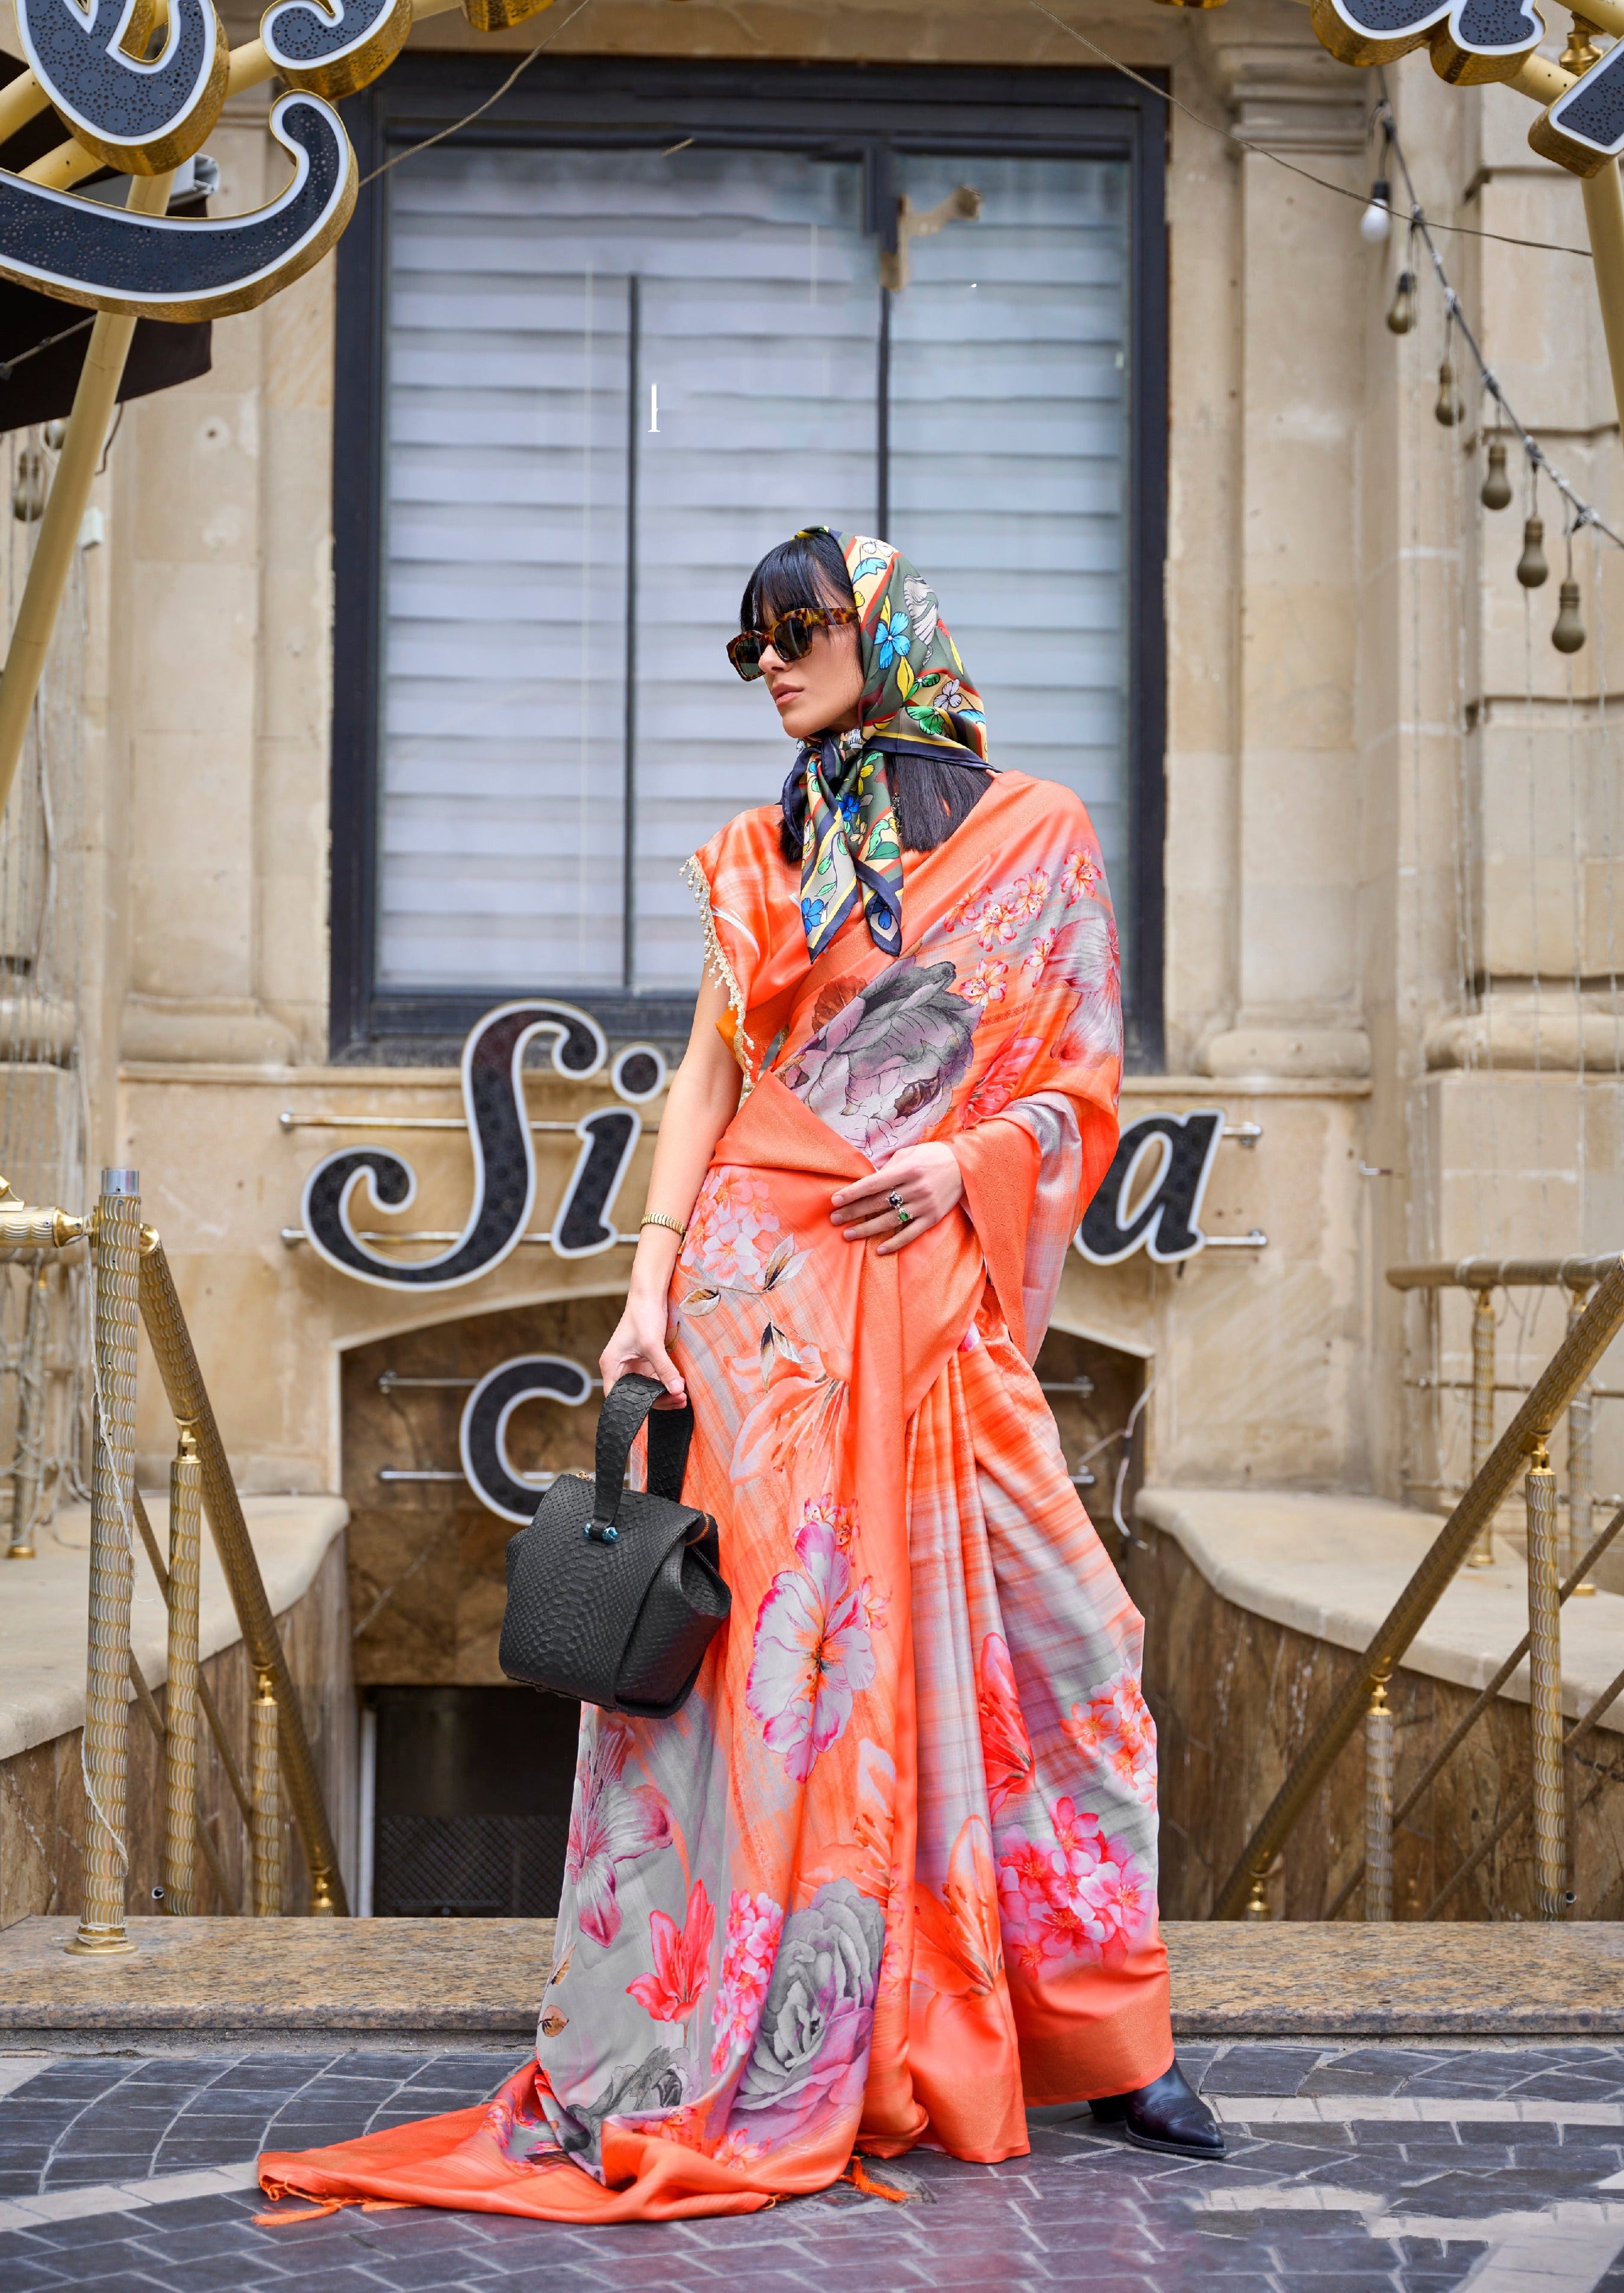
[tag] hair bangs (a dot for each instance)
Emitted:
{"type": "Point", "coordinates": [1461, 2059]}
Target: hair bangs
{"type": "Point", "coordinates": [807, 570]}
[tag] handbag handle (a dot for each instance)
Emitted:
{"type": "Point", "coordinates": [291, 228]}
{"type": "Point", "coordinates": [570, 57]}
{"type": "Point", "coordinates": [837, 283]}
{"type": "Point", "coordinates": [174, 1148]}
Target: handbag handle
{"type": "Point", "coordinates": [628, 1402]}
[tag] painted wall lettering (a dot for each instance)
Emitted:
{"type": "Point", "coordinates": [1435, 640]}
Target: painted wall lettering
{"type": "Point", "coordinates": [1150, 1198]}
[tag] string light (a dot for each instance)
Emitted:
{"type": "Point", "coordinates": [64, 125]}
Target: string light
{"type": "Point", "coordinates": [1496, 492]}
{"type": "Point", "coordinates": [1377, 219]}
{"type": "Point", "coordinates": [1579, 512]}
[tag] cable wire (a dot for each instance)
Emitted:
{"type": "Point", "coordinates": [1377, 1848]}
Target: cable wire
{"type": "Point", "coordinates": [1262, 150]}
{"type": "Point", "coordinates": [479, 109]}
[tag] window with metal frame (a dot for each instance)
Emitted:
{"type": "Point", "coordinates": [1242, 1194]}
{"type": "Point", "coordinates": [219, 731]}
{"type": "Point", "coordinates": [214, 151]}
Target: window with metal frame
{"type": "Point", "coordinates": [598, 355]}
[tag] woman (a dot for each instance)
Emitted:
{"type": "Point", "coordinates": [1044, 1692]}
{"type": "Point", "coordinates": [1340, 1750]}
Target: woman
{"type": "Point", "coordinates": [888, 1876]}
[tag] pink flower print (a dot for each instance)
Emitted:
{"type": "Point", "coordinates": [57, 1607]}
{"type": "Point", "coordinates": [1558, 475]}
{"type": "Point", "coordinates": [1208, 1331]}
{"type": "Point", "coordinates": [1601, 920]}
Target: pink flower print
{"type": "Point", "coordinates": [754, 1924]}
{"type": "Point", "coordinates": [737, 2149]}
{"type": "Point", "coordinates": [682, 1960]}
{"type": "Point", "coordinates": [963, 908]}
{"type": "Point", "coordinates": [840, 1520]}
{"type": "Point", "coordinates": [1079, 877]}
{"type": "Point", "coordinates": [610, 1824]}
{"type": "Point", "coordinates": [1027, 896]}
{"type": "Point", "coordinates": [984, 984]}
{"type": "Point", "coordinates": [733, 1228]}
{"type": "Point", "coordinates": [1003, 1079]}
{"type": "Point", "coordinates": [1086, 1898]}
{"type": "Point", "coordinates": [1114, 1729]}
{"type": "Point", "coordinates": [813, 1653]}
{"type": "Point", "coordinates": [1038, 953]}
{"type": "Point", "coordinates": [995, 924]}
{"type": "Point", "coordinates": [1079, 1837]}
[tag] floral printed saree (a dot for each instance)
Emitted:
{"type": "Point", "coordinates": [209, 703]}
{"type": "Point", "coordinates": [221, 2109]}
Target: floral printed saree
{"type": "Point", "coordinates": [890, 1875]}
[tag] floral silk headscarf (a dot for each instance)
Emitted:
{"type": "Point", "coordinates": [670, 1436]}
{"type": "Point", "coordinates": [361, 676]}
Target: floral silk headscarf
{"type": "Point", "coordinates": [915, 696]}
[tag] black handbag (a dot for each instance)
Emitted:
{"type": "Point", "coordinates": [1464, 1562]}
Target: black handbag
{"type": "Point", "coordinates": [614, 1594]}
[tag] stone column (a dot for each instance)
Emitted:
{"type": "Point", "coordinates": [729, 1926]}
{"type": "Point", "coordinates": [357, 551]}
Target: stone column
{"type": "Point", "coordinates": [1296, 895]}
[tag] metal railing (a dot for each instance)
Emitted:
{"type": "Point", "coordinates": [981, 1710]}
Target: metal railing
{"type": "Point", "coordinates": [133, 1285]}
{"type": "Point", "coordinates": [1596, 1287]}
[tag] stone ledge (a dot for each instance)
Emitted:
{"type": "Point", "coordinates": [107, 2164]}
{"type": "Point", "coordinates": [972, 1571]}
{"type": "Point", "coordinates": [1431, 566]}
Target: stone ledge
{"type": "Point", "coordinates": [1332, 1567]}
{"type": "Point", "coordinates": [397, 1980]}
{"type": "Point", "coordinates": [46, 1606]}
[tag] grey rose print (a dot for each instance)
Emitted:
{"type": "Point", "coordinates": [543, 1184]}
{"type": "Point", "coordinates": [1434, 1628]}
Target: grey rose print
{"type": "Point", "coordinates": [884, 1070]}
{"type": "Point", "coordinates": [655, 2083]}
{"type": "Point", "coordinates": [811, 2051]}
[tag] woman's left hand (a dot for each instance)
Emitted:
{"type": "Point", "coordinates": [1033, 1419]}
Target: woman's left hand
{"type": "Point", "coordinates": [927, 1183]}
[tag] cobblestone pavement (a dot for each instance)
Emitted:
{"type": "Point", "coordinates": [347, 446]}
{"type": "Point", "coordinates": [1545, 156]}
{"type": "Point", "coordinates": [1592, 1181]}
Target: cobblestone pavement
{"type": "Point", "coordinates": [1350, 2169]}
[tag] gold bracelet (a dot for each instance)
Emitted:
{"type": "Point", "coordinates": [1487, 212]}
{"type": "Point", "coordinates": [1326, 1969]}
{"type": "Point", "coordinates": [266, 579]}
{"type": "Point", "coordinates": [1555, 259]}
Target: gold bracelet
{"type": "Point", "coordinates": [678, 1227]}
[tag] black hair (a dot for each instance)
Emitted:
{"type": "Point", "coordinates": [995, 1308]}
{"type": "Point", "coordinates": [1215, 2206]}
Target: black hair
{"type": "Point", "coordinates": [931, 795]}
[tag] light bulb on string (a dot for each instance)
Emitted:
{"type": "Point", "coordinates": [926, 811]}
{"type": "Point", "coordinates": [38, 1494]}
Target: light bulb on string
{"type": "Point", "coordinates": [1450, 407]}
{"type": "Point", "coordinates": [1532, 570]}
{"type": "Point", "coordinates": [1495, 493]}
{"type": "Point", "coordinates": [1568, 635]}
{"type": "Point", "coordinates": [1401, 311]}
{"type": "Point", "coordinates": [1377, 219]}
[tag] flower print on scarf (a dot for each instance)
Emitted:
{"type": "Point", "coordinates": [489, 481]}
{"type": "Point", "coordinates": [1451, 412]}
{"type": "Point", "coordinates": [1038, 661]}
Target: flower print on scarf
{"type": "Point", "coordinates": [893, 638]}
{"type": "Point", "coordinates": [1080, 878]}
{"type": "Point", "coordinates": [840, 1520]}
{"type": "Point", "coordinates": [813, 1652]}
{"type": "Point", "coordinates": [611, 1823]}
{"type": "Point", "coordinates": [884, 1070]}
{"type": "Point", "coordinates": [754, 1924]}
{"type": "Point", "coordinates": [1006, 1748]}
{"type": "Point", "coordinates": [984, 984]}
{"type": "Point", "coordinates": [1087, 1898]}
{"type": "Point", "coordinates": [682, 1960]}
{"type": "Point", "coordinates": [1085, 954]}
{"type": "Point", "coordinates": [732, 1228]}
{"type": "Point", "coordinates": [958, 1949]}
{"type": "Point", "coordinates": [1003, 1079]}
{"type": "Point", "coordinates": [800, 1415]}
{"type": "Point", "coordinates": [810, 2055]}
{"type": "Point", "coordinates": [1038, 954]}
{"type": "Point", "coordinates": [1114, 1729]}
{"type": "Point", "coordinates": [736, 2148]}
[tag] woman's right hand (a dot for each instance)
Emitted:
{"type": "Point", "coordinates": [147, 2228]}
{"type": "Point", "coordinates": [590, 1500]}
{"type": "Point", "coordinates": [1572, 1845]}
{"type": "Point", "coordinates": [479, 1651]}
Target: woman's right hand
{"type": "Point", "coordinates": [638, 1346]}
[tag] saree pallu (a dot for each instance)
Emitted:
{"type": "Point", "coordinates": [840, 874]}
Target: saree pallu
{"type": "Point", "coordinates": [890, 1875]}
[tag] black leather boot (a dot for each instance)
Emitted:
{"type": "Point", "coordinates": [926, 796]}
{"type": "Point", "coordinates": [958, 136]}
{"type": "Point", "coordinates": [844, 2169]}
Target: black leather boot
{"type": "Point", "coordinates": [1165, 2115]}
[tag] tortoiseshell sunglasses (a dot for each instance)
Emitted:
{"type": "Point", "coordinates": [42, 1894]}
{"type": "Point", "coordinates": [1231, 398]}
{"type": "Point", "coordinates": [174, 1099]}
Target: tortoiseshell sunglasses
{"type": "Point", "coordinates": [789, 637]}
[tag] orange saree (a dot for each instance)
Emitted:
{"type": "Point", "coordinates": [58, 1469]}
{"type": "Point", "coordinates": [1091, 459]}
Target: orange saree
{"type": "Point", "coordinates": [890, 1875]}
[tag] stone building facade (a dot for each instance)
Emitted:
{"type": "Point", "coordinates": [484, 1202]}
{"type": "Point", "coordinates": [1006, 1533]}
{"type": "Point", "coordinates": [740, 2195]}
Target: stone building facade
{"type": "Point", "coordinates": [1378, 858]}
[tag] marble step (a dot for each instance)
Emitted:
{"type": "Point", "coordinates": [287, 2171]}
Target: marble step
{"type": "Point", "coordinates": [410, 1982]}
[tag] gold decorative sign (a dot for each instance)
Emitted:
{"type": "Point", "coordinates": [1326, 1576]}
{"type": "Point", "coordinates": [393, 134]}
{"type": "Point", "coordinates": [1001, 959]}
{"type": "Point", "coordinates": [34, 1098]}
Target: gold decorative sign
{"type": "Point", "coordinates": [1473, 43]}
{"type": "Point", "coordinates": [144, 116]}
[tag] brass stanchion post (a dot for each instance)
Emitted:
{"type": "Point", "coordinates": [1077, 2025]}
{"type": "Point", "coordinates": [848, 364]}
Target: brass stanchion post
{"type": "Point", "coordinates": [30, 1467]}
{"type": "Point", "coordinates": [107, 1686]}
{"type": "Point", "coordinates": [1581, 1469]}
{"type": "Point", "coordinates": [1544, 1688]}
{"type": "Point", "coordinates": [262, 1783]}
{"type": "Point", "coordinates": [1378, 1806]}
{"type": "Point", "coordinates": [1604, 217]}
{"type": "Point", "coordinates": [181, 1702]}
{"type": "Point", "coordinates": [65, 504]}
{"type": "Point", "coordinates": [177, 1363]}
{"type": "Point", "coordinates": [1482, 1411]}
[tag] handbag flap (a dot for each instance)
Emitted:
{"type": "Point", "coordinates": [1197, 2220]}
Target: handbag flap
{"type": "Point", "coordinates": [612, 1577]}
